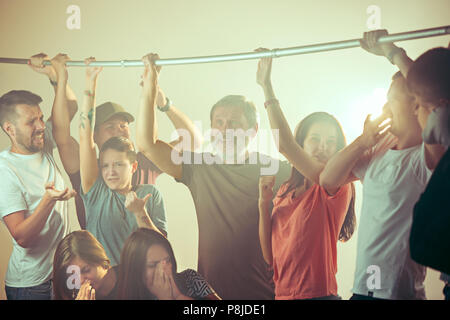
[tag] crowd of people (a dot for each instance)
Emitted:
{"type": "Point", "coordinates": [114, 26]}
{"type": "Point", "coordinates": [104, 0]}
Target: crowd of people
{"type": "Point", "coordinates": [260, 236]}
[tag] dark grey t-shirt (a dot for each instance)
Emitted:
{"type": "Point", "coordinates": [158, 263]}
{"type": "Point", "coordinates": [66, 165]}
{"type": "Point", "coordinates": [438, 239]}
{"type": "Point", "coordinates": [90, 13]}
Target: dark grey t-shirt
{"type": "Point", "coordinates": [226, 202]}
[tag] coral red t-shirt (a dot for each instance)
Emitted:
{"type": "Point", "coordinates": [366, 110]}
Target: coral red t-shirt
{"type": "Point", "coordinates": [305, 231]}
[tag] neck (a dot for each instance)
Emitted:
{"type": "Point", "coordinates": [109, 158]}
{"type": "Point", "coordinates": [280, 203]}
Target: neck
{"type": "Point", "coordinates": [409, 139]}
{"type": "Point", "coordinates": [17, 148]}
{"type": "Point", "coordinates": [125, 190]}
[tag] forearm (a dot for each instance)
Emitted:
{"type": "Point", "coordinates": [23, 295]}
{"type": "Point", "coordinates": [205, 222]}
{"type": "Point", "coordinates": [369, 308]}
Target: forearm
{"type": "Point", "coordinates": [88, 156]}
{"type": "Point", "coordinates": [287, 145]}
{"type": "Point", "coordinates": [60, 115]}
{"type": "Point", "coordinates": [147, 129]}
{"type": "Point", "coordinates": [27, 231]}
{"type": "Point", "coordinates": [403, 62]}
{"type": "Point", "coordinates": [399, 58]}
{"type": "Point", "coordinates": [71, 101]}
{"type": "Point", "coordinates": [278, 122]}
{"type": "Point", "coordinates": [265, 230]}
{"type": "Point", "coordinates": [143, 220]}
{"type": "Point", "coordinates": [182, 121]}
{"type": "Point", "coordinates": [338, 169]}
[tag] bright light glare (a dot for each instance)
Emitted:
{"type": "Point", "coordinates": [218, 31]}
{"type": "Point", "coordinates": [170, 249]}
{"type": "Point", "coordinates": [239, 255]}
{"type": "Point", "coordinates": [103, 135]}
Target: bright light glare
{"type": "Point", "coordinates": [362, 106]}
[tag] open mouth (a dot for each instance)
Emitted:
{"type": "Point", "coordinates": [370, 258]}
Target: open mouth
{"type": "Point", "coordinates": [39, 136]}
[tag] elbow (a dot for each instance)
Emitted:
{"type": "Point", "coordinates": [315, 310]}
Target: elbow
{"type": "Point", "coordinates": [143, 145]}
{"type": "Point", "coordinates": [324, 181]}
{"type": "Point", "coordinates": [286, 144]}
{"type": "Point", "coordinates": [268, 259]}
{"type": "Point", "coordinates": [24, 243]}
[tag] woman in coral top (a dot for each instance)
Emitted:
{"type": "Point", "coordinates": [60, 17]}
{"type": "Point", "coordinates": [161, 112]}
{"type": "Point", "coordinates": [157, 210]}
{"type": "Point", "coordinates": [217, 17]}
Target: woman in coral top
{"type": "Point", "coordinates": [299, 239]}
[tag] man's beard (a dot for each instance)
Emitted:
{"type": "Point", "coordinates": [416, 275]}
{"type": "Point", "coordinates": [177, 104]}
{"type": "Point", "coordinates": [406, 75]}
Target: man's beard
{"type": "Point", "coordinates": [30, 147]}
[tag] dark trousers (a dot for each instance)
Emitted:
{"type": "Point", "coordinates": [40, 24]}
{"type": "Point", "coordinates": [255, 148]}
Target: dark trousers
{"type": "Point", "coordinates": [39, 292]}
{"type": "Point", "coordinates": [361, 297]}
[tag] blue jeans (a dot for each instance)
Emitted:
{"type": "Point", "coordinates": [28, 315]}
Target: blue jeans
{"type": "Point", "coordinates": [39, 292]}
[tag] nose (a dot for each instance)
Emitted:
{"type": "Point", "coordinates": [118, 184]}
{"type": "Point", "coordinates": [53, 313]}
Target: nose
{"type": "Point", "coordinates": [322, 145]}
{"type": "Point", "coordinates": [40, 125]}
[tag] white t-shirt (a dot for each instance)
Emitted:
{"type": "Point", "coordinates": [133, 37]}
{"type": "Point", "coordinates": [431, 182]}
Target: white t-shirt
{"type": "Point", "coordinates": [392, 183]}
{"type": "Point", "coordinates": [23, 178]}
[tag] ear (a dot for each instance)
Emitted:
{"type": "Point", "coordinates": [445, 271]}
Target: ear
{"type": "Point", "coordinates": [255, 132]}
{"type": "Point", "coordinates": [9, 129]}
{"type": "Point", "coordinates": [416, 109]}
{"type": "Point", "coordinates": [134, 166]}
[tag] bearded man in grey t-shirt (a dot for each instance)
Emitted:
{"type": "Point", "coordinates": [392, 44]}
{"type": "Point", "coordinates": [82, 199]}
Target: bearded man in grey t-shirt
{"type": "Point", "coordinates": [224, 187]}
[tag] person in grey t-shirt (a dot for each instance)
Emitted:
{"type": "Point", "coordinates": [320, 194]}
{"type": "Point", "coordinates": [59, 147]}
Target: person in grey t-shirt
{"type": "Point", "coordinates": [224, 187]}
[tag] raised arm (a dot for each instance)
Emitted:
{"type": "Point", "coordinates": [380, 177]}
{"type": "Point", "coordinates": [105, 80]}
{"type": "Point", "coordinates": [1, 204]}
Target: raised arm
{"type": "Point", "coordinates": [36, 63]}
{"type": "Point", "coordinates": [88, 157]}
{"type": "Point", "coordinates": [338, 170]}
{"type": "Point", "coordinates": [68, 147]}
{"type": "Point", "coordinates": [147, 131]}
{"type": "Point", "coordinates": [266, 184]}
{"type": "Point", "coordinates": [394, 54]}
{"type": "Point", "coordinates": [181, 122]}
{"type": "Point", "coordinates": [287, 145]}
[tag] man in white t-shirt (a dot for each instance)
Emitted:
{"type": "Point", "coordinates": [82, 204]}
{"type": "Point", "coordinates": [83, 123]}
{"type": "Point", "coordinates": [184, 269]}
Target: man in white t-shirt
{"type": "Point", "coordinates": [32, 197]}
{"type": "Point", "coordinates": [394, 166]}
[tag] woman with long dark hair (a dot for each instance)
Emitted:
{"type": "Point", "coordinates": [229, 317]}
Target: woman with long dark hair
{"type": "Point", "coordinates": [148, 271]}
{"type": "Point", "coordinates": [299, 239]}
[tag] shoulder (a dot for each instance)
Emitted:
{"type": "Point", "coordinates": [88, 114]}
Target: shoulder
{"type": "Point", "coordinates": [144, 189]}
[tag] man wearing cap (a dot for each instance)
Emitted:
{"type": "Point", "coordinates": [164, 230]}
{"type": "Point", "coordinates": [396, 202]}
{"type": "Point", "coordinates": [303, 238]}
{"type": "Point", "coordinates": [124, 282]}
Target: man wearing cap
{"type": "Point", "coordinates": [111, 121]}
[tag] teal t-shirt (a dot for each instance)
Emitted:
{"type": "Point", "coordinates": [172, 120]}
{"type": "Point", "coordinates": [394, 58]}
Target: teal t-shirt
{"type": "Point", "coordinates": [109, 221]}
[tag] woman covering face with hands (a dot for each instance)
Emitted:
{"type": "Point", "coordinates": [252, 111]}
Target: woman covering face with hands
{"type": "Point", "coordinates": [148, 271]}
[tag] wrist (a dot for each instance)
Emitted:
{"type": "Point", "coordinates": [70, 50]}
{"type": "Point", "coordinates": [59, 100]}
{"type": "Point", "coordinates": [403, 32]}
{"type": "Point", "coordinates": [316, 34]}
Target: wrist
{"type": "Point", "coordinates": [48, 198]}
{"type": "Point", "coordinates": [393, 52]}
{"type": "Point", "coordinates": [140, 213]}
{"type": "Point", "coordinates": [360, 143]}
{"type": "Point", "coordinates": [91, 84]}
{"type": "Point", "coordinates": [166, 107]}
{"type": "Point", "coordinates": [271, 102]}
{"type": "Point", "coordinates": [59, 82]}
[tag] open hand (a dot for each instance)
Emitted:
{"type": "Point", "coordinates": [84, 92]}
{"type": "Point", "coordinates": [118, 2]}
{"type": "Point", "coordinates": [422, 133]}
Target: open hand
{"type": "Point", "coordinates": [135, 204]}
{"type": "Point", "coordinates": [163, 285]}
{"type": "Point", "coordinates": [374, 130]}
{"type": "Point", "coordinates": [86, 292]}
{"type": "Point", "coordinates": [57, 195]}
